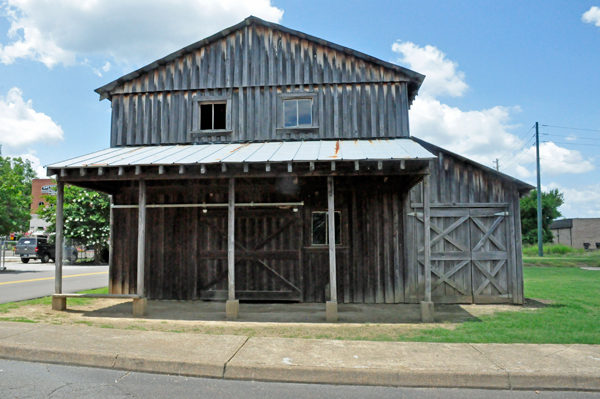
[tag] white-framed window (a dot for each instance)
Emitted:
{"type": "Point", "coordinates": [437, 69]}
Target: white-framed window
{"type": "Point", "coordinates": [297, 112]}
{"type": "Point", "coordinates": [320, 228]}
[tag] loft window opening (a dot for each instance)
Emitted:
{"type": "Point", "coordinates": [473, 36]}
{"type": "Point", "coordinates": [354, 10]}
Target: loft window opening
{"type": "Point", "coordinates": [213, 116]}
{"type": "Point", "coordinates": [320, 228]}
{"type": "Point", "coordinates": [297, 112]}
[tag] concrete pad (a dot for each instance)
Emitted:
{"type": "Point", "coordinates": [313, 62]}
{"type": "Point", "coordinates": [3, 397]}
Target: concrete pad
{"type": "Point", "coordinates": [365, 363]}
{"type": "Point", "coordinates": [331, 312]}
{"type": "Point", "coordinates": [232, 309]}
{"type": "Point", "coordinates": [533, 366]}
{"type": "Point", "coordinates": [427, 312]}
{"type": "Point", "coordinates": [145, 351]}
{"type": "Point", "coordinates": [139, 307]}
{"type": "Point", "coordinates": [59, 303]}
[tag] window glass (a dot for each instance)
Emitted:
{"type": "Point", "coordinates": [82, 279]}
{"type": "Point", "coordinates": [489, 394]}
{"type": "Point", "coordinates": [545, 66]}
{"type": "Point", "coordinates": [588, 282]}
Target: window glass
{"type": "Point", "coordinates": [24, 241]}
{"type": "Point", "coordinates": [206, 116]}
{"type": "Point", "coordinates": [219, 116]}
{"type": "Point", "coordinates": [304, 112]}
{"type": "Point", "coordinates": [320, 229]}
{"type": "Point", "coordinates": [290, 113]}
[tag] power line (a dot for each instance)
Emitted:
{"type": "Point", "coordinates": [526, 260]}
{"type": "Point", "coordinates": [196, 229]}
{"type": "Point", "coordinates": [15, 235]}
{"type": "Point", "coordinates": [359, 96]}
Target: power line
{"type": "Point", "coordinates": [516, 160]}
{"type": "Point", "coordinates": [519, 142]}
{"type": "Point", "coordinates": [571, 163]}
{"type": "Point", "coordinates": [522, 147]}
{"type": "Point", "coordinates": [561, 142]}
{"type": "Point", "coordinates": [572, 128]}
{"type": "Point", "coordinates": [575, 137]}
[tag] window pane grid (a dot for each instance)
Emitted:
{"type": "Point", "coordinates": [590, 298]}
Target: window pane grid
{"type": "Point", "coordinates": [320, 228]}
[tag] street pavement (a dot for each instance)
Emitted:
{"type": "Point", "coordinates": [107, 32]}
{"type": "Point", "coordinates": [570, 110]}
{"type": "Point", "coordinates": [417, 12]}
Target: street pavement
{"type": "Point", "coordinates": [36, 380]}
{"type": "Point", "coordinates": [310, 361]}
{"type": "Point", "coordinates": [22, 281]}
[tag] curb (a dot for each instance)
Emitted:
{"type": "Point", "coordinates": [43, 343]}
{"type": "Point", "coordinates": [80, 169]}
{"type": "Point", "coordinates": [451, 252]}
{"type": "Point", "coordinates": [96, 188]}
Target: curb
{"type": "Point", "coordinates": [504, 380]}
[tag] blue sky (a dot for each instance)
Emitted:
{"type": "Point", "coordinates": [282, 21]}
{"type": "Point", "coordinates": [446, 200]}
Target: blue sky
{"type": "Point", "coordinates": [493, 69]}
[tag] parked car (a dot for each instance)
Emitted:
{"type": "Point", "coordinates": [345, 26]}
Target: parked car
{"type": "Point", "coordinates": [37, 247]}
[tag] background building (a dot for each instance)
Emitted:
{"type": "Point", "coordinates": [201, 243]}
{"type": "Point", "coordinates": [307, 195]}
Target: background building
{"type": "Point", "coordinates": [575, 232]}
{"type": "Point", "coordinates": [39, 189]}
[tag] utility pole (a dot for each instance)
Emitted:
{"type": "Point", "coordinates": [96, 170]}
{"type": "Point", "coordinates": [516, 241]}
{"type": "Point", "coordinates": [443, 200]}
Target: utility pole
{"type": "Point", "coordinates": [497, 162]}
{"type": "Point", "coordinates": [539, 191]}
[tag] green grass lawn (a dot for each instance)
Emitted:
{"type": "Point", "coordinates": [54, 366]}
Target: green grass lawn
{"type": "Point", "coordinates": [572, 318]}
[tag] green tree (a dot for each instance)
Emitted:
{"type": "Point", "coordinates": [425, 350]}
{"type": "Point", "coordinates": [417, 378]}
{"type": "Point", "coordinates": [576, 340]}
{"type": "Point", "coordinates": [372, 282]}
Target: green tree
{"type": "Point", "coordinates": [551, 201]}
{"type": "Point", "coordinates": [86, 217]}
{"type": "Point", "coordinates": [16, 175]}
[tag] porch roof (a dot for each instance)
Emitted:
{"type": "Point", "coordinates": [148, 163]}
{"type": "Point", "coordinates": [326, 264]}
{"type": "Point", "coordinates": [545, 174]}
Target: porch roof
{"type": "Point", "coordinates": [281, 151]}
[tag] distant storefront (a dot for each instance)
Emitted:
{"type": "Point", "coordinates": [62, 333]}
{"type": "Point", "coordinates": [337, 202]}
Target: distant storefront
{"type": "Point", "coordinates": [39, 189]}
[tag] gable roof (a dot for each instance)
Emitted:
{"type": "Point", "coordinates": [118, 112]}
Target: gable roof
{"type": "Point", "coordinates": [415, 79]}
{"type": "Point", "coordinates": [524, 188]}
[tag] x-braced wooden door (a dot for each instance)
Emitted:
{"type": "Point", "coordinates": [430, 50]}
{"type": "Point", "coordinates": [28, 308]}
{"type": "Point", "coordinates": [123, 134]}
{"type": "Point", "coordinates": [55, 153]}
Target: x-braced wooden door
{"type": "Point", "coordinates": [450, 255]}
{"type": "Point", "coordinates": [267, 255]}
{"type": "Point", "coordinates": [491, 269]}
{"type": "Point", "coordinates": [469, 256]}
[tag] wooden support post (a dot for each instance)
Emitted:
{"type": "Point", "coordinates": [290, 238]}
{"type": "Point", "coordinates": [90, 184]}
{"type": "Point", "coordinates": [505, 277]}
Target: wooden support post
{"type": "Point", "coordinates": [140, 310]}
{"type": "Point", "coordinates": [379, 165]}
{"type": "Point", "coordinates": [161, 169]}
{"type": "Point", "coordinates": [331, 313]}
{"type": "Point", "coordinates": [311, 166]}
{"type": "Point", "coordinates": [59, 303]}
{"type": "Point", "coordinates": [100, 171]}
{"type": "Point", "coordinates": [232, 306]}
{"type": "Point", "coordinates": [403, 164]}
{"type": "Point", "coordinates": [203, 169]}
{"type": "Point", "coordinates": [289, 167]}
{"type": "Point", "coordinates": [427, 304]}
{"type": "Point", "coordinates": [121, 171]}
{"type": "Point", "coordinates": [181, 169]}
{"type": "Point", "coordinates": [223, 167]}
{"type": "Point", "coordinates": [356, 165]}
{"type": "Point", "coordinates": [246, 168]}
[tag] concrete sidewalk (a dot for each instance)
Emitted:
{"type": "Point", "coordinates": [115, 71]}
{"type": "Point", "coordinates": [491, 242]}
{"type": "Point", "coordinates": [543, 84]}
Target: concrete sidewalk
{"type": "Point", "coordinates": [400, 364]}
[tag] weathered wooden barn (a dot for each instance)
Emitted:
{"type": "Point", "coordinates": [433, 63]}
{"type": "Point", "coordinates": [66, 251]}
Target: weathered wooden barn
{"type": "Point", "coordinates": [265, 164]}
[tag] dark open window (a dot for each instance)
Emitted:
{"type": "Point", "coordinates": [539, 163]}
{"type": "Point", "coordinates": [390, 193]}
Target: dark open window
{"type": "Point", "coordinates": [213, 116]}
{"type": "Point", "coordinates": [320, 228]}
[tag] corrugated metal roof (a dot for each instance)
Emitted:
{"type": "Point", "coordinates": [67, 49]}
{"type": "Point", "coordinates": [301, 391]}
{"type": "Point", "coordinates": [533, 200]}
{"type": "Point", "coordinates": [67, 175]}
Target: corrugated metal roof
{"type": "Point", "coordinates": [287, 151]}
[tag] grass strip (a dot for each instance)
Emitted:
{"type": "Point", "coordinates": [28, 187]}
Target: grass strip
{"type": "Point", "coordinates": [47, 300]}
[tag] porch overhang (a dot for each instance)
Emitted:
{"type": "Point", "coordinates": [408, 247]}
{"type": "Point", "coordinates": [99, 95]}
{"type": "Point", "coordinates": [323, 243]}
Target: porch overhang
{"type": "Point", "coordinates": [266, 159]}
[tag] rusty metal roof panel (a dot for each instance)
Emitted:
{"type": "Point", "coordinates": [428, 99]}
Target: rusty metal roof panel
{"type": "Point", "coordinates": [288, 151]}
{"type": "Point", "coordinates": [242, 154]}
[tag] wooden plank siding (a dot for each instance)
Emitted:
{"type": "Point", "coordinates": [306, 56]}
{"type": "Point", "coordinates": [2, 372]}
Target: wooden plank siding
{"type": "Point", "coordinates": [340, 112]}
{"type": "Point", "coordinates": [466, 201]}
{"type": "Point", "coordinates": [186, 249]}
{"type": "Point", "coordinates": [252, 67]}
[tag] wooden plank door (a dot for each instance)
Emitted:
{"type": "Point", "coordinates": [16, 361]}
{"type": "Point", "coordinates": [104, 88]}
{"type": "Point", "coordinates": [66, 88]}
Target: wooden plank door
{"type": "Point", "coordinates": [450, 255]}
{"type": "Point", "coordinates": [267, 254]}
{"type": "Point", "coordinates": [491, 273]}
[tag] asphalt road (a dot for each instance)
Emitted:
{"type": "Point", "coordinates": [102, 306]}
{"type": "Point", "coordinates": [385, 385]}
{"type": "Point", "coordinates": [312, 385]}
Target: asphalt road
{"type": "Point", "coordinates": [33, 280]}
{"type": "Point", "coordinates": [36, 380]}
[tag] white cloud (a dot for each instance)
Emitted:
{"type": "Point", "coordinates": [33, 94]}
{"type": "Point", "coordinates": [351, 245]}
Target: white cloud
{"type": "Point", "coordinates": [35, 163]}
{"type": "Point", "coordinates": [554, 161]}
{"type": "Point", "coordinates": [592, 16]}
{"type": "Point", "coordinates": [580, 202]}
{"type": "Point", "coordinates": [21, 126]}
{"type": "Point", "coordinates": [130, 32]}
{"type": "Point", "coordinates": [482, 135]}
{"type": "Point", "coordinates": [442, 76]}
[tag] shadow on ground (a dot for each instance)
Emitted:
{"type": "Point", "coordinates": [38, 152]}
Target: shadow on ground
{"type": "Point", "coordinates": [286, 313]}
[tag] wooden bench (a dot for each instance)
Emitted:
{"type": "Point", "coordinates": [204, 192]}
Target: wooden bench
{"type": "Point", "coordinates": [59, 301]}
